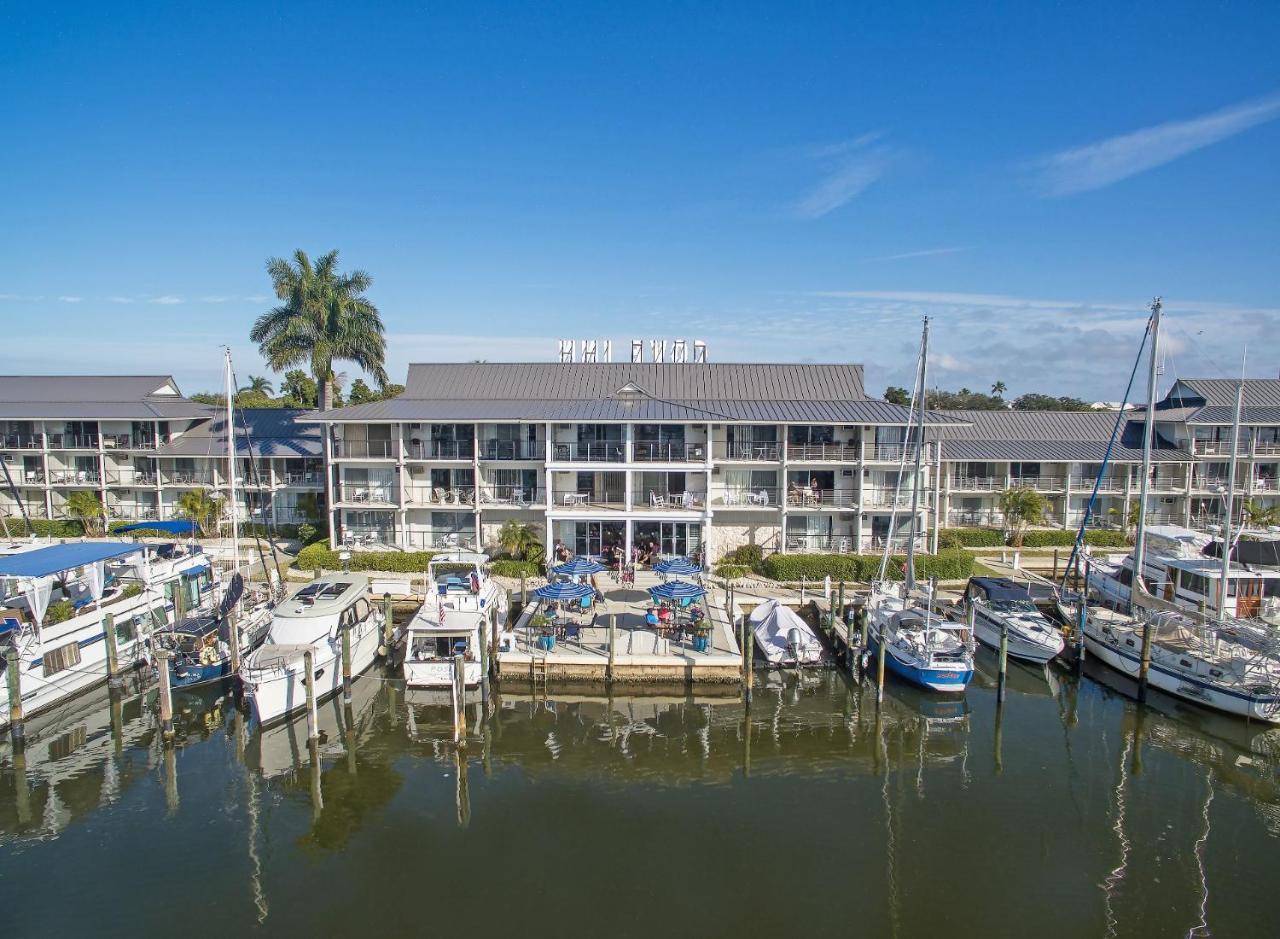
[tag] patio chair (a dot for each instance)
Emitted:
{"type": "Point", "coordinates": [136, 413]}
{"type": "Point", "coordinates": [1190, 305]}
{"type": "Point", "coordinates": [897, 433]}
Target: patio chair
{"type": "Point", "coordinates": [730, 497]}
{"type": "Point", "coordinates": [656, 501]}
{"type": "Point", "coordinates": [437, 493]}
{"type": "Point", "coordinates": [759, 498]}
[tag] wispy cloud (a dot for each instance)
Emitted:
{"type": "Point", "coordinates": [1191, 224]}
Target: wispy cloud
{"type": "Point", "coordinates": [926, 253]}
{"type": "Point", "coordinates": [120, 299]}
{"type": "Point", "coordinates": [167, 300]}
{"type": "Point", "coordinates": [257, 298]}
{"type": "Point", "coordinates": [214, 299]}
{"type": "Point", "coordinates": [1095, 165]}
{"type": "Point", "coordinates": [71, 299]}
{"type": "Point", "coordinates": [848, 169]}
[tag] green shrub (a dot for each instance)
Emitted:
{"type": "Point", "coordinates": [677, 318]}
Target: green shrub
{"type": "Point", "coordinates": [398, 562]}
{"type": "Point", "coordinates": [59, 612]}
{"type": "Point", "coordinates": [1106, 538]}
{"type": "Point", "coordinates": [130, 590]}
{"type": "Point", "coordinates": [507, 567]}
{"type": "Point", "coordinates": [970, 538]}
{"type": "Point", "coordinates": [731, 571]}
{"type": "Point", "coordinates": [308, 533]}
{"type": "Point", "coordinates": [45, 528]}
{"type": "Point", "coordinates": [748, 555]}
{"type": "Point", "coordinates": [945, 565]}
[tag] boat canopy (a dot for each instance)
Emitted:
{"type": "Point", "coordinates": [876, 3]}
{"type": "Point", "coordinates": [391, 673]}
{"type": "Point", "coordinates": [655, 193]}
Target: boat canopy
{"type": "Point", "coordinates": [998, 588]}
{"type": "Point", "coordinates": [57, 558]}
{"type": "Point", "coordinates": [175, 526]}
{"type": "Point", "coordinates": [1263, 551]}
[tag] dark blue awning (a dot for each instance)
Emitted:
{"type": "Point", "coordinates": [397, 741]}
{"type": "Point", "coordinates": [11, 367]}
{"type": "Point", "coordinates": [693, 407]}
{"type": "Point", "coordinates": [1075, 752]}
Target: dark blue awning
{"type": "Point", "coordinates": [62, 557]}
{"type": "Point", "coordinates": [175, 526]}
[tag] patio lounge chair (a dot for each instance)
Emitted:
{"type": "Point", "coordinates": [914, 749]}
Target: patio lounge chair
{"type": "Point", "coordinates": [656, 501]}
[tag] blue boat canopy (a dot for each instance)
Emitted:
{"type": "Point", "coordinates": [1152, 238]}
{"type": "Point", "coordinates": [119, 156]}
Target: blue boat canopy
{"type": "Point", "coordinates": [62, 557]}
{"type": "Point", "coordinates": [999, 588]}
{"type": "Point", "coordinates": [173, 526]}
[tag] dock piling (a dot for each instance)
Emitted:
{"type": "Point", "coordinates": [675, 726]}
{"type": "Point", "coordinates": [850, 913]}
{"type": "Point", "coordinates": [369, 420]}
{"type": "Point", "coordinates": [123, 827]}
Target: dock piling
{"type": "Point", "coordinates": [1002, 682]}
{"type": "Point", "coordinates": [113, 659]}
{"type": "Point", "coordinates": [459, 700]}
{"type": "Point", "coordinates": [166, 694]}
{"type": "Point", "coordinates": [880, 657]}
{"type": "Point", "coordinates": [613, 634]}
{"type": "Point", "coordinates": [14, 680]}
{"type": "Point", "coordinates": [484, 666]}
{"type": "Point", "coordinates": [746, 660]}
{"type": "Point", "coordinates": [1144, 666]}
{"type": "Point", "coordinates": [233, 637]}
{"type": "Point", "coordinates": [309, 676]}
{"type": "Point", "coordinates": [346, 662]}
{"type": "Point", "coordinates": [388, 626]}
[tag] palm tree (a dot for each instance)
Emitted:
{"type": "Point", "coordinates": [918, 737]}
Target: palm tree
{"type": "Point", "coordinates": [999, 388]}
{"type": "Point", "coordinates": [1257, 515]}
{"type": "Point", "coordinates": [84, 507]}
{"type": "Point", "coordinates": [202, 508]}
{"type": "Point", "coordinates": [1021, 507]}
{"type": "Point", "coordinates": [323, 318]}
{"type": "Point", "coordinates": [259, 385]}
{"type": "Point", "coordinates": [520, 541]}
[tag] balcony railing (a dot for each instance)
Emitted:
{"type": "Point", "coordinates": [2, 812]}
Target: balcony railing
{"type": "Point", "coordinates": [364, 449]}
{"type": "Point", "coordinates": [1038, 483]}
{"type": "Point", "coordinates": [588, 452]}
{"type": "Point", "coordinates": [1211, 483]}
{"type": "Point", "coordinates": [75, 477]}
{"type": "Point", "coordinates": [20, 442]}
{"type": "Point", "coordinates": [975, 517]}
{"type": "Point", "coordinates": [516, 496]}
{"type": "Point", "coordinates": [73, 441]}
{"type": "Point", "coordinates": [183, 478]}
{"type": "Point", "coordinates": [315, 478]}
{"type": "Point", "coordinates": [755, 497]}
{"type": "Point", "coordinates": [757, 452]}
{"type": "Point", "coordinates": [575, 499]}
{"type": "Point", "coordinates": [439, 495]}
{"type": "Point", "coordinates": [368, 537]}
{"type": "Point", "coordinates": [806, 498]}
{"type": "Point", "coordinates": [824, 452]}
{"type": "Point", "coordinates": [1266, 448]}
{"type": "Point", "coordinates": [440, 540]}
{"type": "Point", "coordinates": [512, 450]}
{"type": "Point", "coordinates": [130, 478]}
{"type": "Point", "coordinates": [128, 442]}
{"type": "Point", "coordinates": [976, 483]}
{"type": "Point", "coordinates": [690, 500]}
{"type": "Point", "coordinates": [1222, 447]}
{"type": "Point", "coordinates": [372, 495]}
{"type": "Point", "coordinates": [669, 452]}
{"type": "Point", "coordinates": [885, 498]}
{"type": "Point", "coordinates": [27, 477]}
{"type": "Point", "coordinates": [1108, 484]}
{"type": "Point", "coordinates": [440, 450]}
{"type": "Point", "coordinates": [835, 544]}
{"type": "Point", "coordinates": [891, 453]}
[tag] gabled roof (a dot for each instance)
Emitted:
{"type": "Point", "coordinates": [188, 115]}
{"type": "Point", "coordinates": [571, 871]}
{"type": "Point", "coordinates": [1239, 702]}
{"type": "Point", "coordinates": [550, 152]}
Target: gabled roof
{"type": "Point", "coordinates": [94, 397]}
{"type": "Point", "coordinates": [1213, 401]}
{"type": "Point", "coordinates": [273, 432]}
{"type": "Point", "coordinates": [1049, 436]}
{"type": "Point", "coordinates": [687, 392]}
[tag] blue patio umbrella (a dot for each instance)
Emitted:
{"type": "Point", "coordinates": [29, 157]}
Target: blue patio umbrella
{"type": "Point", "coordinates": [676, 590]}
{"type": "Point", "coordinates": [677, 566]}
{"type": "Point", "coordinates": [578, 567]}
{"type": "Point", "coordinates": [563, 590]}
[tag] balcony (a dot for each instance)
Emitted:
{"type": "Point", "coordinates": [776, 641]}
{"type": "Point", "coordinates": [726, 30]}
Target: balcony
{"type": "Point", "coordinates": [687, 501]}
{"type": "Point", "coordinates": [440, 540]}
{"type": "Point", "coordinates": [512, 450]}
{"type": "Point", "coordinates": [1267, 448]}
{"type": "Point", "coordinates": [1114, 484]}
{"type": "Point", "coordinates": [516, 497]}
{"type": "Point", "coordinates": [669, 452]}
{"type": "Point", "coordinates": [357, 494]}
{"type": "Point", "coordinates": [190, 478]}
{"type": "Point", "coordinates": [801, 542]}
{"type": "Point", "coordinates": [574, 499]}
{"type": "Point", "coordinates": [364, 449]}
{"type": "Point", "coordinates": [1209, 483]}
{"type": "Point", "coordinates": [889, 499]}
{"type": "Point", "coordinates": [805, 498]}
{"type": "Point", "coordinates": [128, 442]}
{"type": "Point", "coordinates": [749, 452]}
{"type": "Point", "coordinates": [891, 453]}
{"type": "Point", "coordinates": [976, 483]}
{"type": "Point", "coordinates": [128, 477]}
{"type": "Point", "coordinates": [439, 495]}
{"type": "Point", "coordinates": [75, 477]}
{"type": "Point", "coordinates": [447, 450]}
{"type": "Point", "coordinates": [312, 479]}
{"type": "Point", "coordinates": [824, 452]}
{"type": "Point", "coordinates": [1039, 483]}
{"type": "Point", "coordinates": [21, 442]}
{"type": "Point", "coordinates": [73, 441]}
{"type": "Point", "coordinates": [27, 477]}
{"type": "Point", "coordinates": [756, 497]}
{"type": "Point", "coordinates": [363, 537]}
{"type": "Point", "coordinates": [612, 452]}
{"type": "Point", "coordinates": [975, 518]}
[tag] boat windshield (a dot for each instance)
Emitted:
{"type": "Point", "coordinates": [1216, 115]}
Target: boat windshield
{"type": "Point", "coordinates": [440, 647]}
{"type": "Point", "coordinates": [1013, 606]}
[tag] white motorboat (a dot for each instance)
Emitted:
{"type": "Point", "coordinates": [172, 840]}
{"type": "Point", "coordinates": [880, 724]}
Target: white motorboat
{"type": "Point", "coordinates": [785, 640]}
{"type": "Point", "coordinates": [1000, 604]}
{"type": "Point", "coordinates": [56, 601]}
{"type": "Point", "coordinates": [464, 609]}
{"type": "Point", "coordinates": [312, 620]}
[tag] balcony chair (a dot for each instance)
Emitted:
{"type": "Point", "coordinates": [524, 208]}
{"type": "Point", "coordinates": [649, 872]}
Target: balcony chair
{"type": "Point", "coordinates": [656, 501]}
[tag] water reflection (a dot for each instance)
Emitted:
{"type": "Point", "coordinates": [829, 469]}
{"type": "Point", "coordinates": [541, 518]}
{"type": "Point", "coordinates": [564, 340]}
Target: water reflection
{"type": "Point", "coordinates": [1069, 794]}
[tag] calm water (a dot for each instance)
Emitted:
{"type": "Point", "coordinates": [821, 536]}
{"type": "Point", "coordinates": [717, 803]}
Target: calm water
{"type": "Point", "coordinates": [656, 813]}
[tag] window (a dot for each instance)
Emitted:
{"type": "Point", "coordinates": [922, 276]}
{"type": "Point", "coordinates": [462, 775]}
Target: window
{"type": "Point", "coordinates": [127, 628]}
{"type": "Point", "coordinates": [61, 658]}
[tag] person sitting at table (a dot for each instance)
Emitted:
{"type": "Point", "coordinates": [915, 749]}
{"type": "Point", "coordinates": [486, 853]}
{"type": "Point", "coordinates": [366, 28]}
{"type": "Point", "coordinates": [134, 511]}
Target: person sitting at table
{"type": "Point", "coordinates": [651, 617]}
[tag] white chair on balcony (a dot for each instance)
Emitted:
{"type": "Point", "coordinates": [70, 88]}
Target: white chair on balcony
{"type": "Point", "coordinates": [844, 546]}
{"type": "Point", "coordinates": [517, 496]}
{"type": "Point", "coordinates": [656, 501]}
{"type": "Point", "coordinates": [437, 494]}
{"type": "Point", "coordinates": [730, 497]}
{"type": "Point", "coordinates": [758, 498]}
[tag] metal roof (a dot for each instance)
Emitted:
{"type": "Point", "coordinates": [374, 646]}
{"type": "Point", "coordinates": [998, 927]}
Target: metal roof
{"type": "Point", "coordinates": [1050, 436]}
{"type": "Point", "coordinates": [274, 432]}
{"type": "Point", "coordinates": [94, 397]}
{"type": "Point", "coordinates": [57, 558]}
{"type": "Point", "coordinates": [1213, 401]}
{"type": "Point", "coordinates": [730, 392]}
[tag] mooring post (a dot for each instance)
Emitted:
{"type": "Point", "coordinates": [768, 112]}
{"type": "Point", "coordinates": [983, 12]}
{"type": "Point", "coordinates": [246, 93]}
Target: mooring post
{"type": "Point", "coordinates": [14, 680]}
{"type": "Point", "coordinates": [233, 637]}
{"type": "Point", "coordinates": [613, 635]}
{"type": "Point", "coordinates": [346, 661]}
{"type": "Point", "coordinates": [484, 666]}
{"type": "Point", "coordinates": [839, 614]}
{"type": "Point", "coordinates": [1002, 681]}
{"type": "Point", "coordinates": [317, 792]}
{"type": "Point", "coordinates": [970, 620]}
{"type": "Point", "coordinates": [113, 661]}
{"type": "Point", "coordinates": [881, 655]}
{"type": "Point", "coordinates": [309, 676]}
{"type": "Point", "coordinates": [388, 626]}
{"type": "Point", "coordinates": [524, 593]}
{"type": "Point", "coordinates": [1055, 563]}
{"type": "Point", "coordinates": [1144, 666]}
{"type": "Point", "coordinates": [1082, 615]}
{"type": "Point", "coordinates": [459, 698]}
{"type": "Point", "coordinates": [166, 695]}
{"type": "Point", "coordinates": [170, 758]}
{"type": "Point", "coordinates": [746, 660]}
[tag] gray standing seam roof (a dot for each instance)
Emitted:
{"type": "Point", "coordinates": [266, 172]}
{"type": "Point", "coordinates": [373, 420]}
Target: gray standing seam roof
{"type": "Point", "coordinates": [1213, 401]}
{"type": "Point", "coordinates": [90, 397]}
{"type": "Point", "coordinates": [1050, 436]}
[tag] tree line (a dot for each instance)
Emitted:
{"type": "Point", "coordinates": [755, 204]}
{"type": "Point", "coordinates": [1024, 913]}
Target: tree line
{"type": "Point", "coordinates": [968, 400]}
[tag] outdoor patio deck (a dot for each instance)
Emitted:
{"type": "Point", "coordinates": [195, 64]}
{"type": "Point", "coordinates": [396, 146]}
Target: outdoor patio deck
{"type": "Point", "coordinates": [640, 654]}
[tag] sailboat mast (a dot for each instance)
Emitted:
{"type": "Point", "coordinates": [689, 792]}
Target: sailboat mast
{"type": "Point", "coordinates": [1228, 504]}
{"type": "Point", "coordinates": [231, 466]}
{"type": "Point", "coordinates": [1148, 440]}
{"type": "Point", "coordinates": [910, 574]}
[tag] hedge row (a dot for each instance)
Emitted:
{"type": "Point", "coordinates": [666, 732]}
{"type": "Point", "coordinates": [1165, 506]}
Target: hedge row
{"type": "Point", "coordinates": [970, 538]}
{"type": "Point", "coordinates": [44, 528]}
{"type": "Point", "coordinates": [507, 567]}
{"type": "Point", "coordinates": [945, 565]}
{"type": "Point", "coordinates": [1098, 537]}
{"type": "Point", "coordinates": [396, 562]}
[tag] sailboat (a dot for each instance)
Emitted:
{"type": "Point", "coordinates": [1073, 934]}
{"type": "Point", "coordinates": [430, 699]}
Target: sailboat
{"type": "Point", "coordinates": [919, 645]}
{"type": "Point", "coordinates": [1226, 664]}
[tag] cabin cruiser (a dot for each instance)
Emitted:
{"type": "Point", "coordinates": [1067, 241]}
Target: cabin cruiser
{"type": "Point", "coordinates": [464, 608]}
{"type": "Point", "coordinates": [920, 646]}
{"type": "Point", "coordinates": [1000, 604]}
{"type": "Point", "coordinates": [54, 605]}
{"type": "Point", "coordinates": [312, 620]}
{"type": "Point", "coordinates": [783, 637]}
{"type": "Point", "coordinates": [1231, 666]}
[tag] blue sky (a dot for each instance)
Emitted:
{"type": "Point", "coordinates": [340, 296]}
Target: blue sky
{"type": "Point", "coordinates": [786, 181]}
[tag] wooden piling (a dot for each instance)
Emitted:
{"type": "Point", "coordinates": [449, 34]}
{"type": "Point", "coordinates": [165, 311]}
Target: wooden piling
{"type": "Point", "coordinates": [309, 676]}
{"type": "Point", "coordinates": [1082, 616]}
{"type": "Point", "coordinates": [1144, 666]}
{"type": "Point", "coordinates": [388, 626]}
{"type": "Point", "coordinates": [880, 657]}
{"type": "Point", "coordinates": [484, 666]}
{"type": "Point", "coordinates": [233, 638]}
{"type": "Point", "coordinates": [460, 700]}
{"type": "Point", "coordinates": [166, 695]}
{"type": "Point", "coordinates": [349, 719]}
{"type": "Point", "coordinates": [747, 670]}
{"type": "Point", "coordinates": [346, 661]}
{"type": "Point", "coordinates": [113, 659]}
{"type": "Point", "coordinates": [613, 636]}
{"type": "Point", "coordinates": [179, 602]}
{"type": "Point", "coordinates": [1002, 682]}
{"type": "Point", "coordinates": [970, 621]}
{"type": "Point", "coordinates": [839, 614]}
{"type": "Point", "coordinates": [14, 680]}
{"type": "Point", "coordinates": [317, 792]}
{"type": "Point", "coordinates": [524, 593]}
{"type": "Point", "coordinates": [170, 758]}
{"type": "Point", "coordinates": [1055, 563]}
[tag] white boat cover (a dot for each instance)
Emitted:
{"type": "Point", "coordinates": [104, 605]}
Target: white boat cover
{"type": "Point", "coordinates": [783, 637]}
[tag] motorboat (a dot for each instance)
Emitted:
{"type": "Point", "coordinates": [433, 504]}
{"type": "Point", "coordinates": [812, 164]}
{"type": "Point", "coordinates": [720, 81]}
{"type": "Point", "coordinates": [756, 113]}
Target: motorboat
{"type": "Point", "coordinates": [783, 637]}
{"type": "Point", "coordinates": [464, 608]}
{"type": "Point", "coordinates": [999, 605]}
{"type": "Point", "coordinates": [312, 619]}
{"type": "Point", "coordinates": [920, 646]}
{"type": "Point", "coordinates": [54, 607]}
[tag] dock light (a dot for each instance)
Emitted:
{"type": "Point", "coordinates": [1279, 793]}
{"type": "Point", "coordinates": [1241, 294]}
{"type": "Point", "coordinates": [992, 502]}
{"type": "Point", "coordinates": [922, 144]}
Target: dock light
{"type": "Point", "coordinates": [345, 557]}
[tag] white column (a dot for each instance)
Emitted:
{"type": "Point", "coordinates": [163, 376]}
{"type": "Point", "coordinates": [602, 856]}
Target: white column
{"type": "Point", "coordinates": [329, 464]}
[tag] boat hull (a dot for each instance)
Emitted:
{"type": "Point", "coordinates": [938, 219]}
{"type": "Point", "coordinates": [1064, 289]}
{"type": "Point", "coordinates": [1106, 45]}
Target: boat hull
{"type": "Point", "coordinates": [279, 691]}
{"type": "Point", "coordinates": [1038, 653]}
{"type": "Point", "coordinates": [947, 680]}
{"type": "Point", "coordinates": [438, 673]}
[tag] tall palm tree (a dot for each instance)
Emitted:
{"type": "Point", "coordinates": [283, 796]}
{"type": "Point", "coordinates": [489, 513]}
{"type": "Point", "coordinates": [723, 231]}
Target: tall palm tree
{"type": "Point", "coordinates": [83, 506]}
{"type": "Point", "coordinates": [202, 508]}
{"type": "Point", "coordinates": [1021, 506]}
{"type": "Point", "coordinates": [259, 385]}
{"type": "Point", "coordinates": [999, 388]}
{"type": "Point", "coordinates": [323, 318]}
